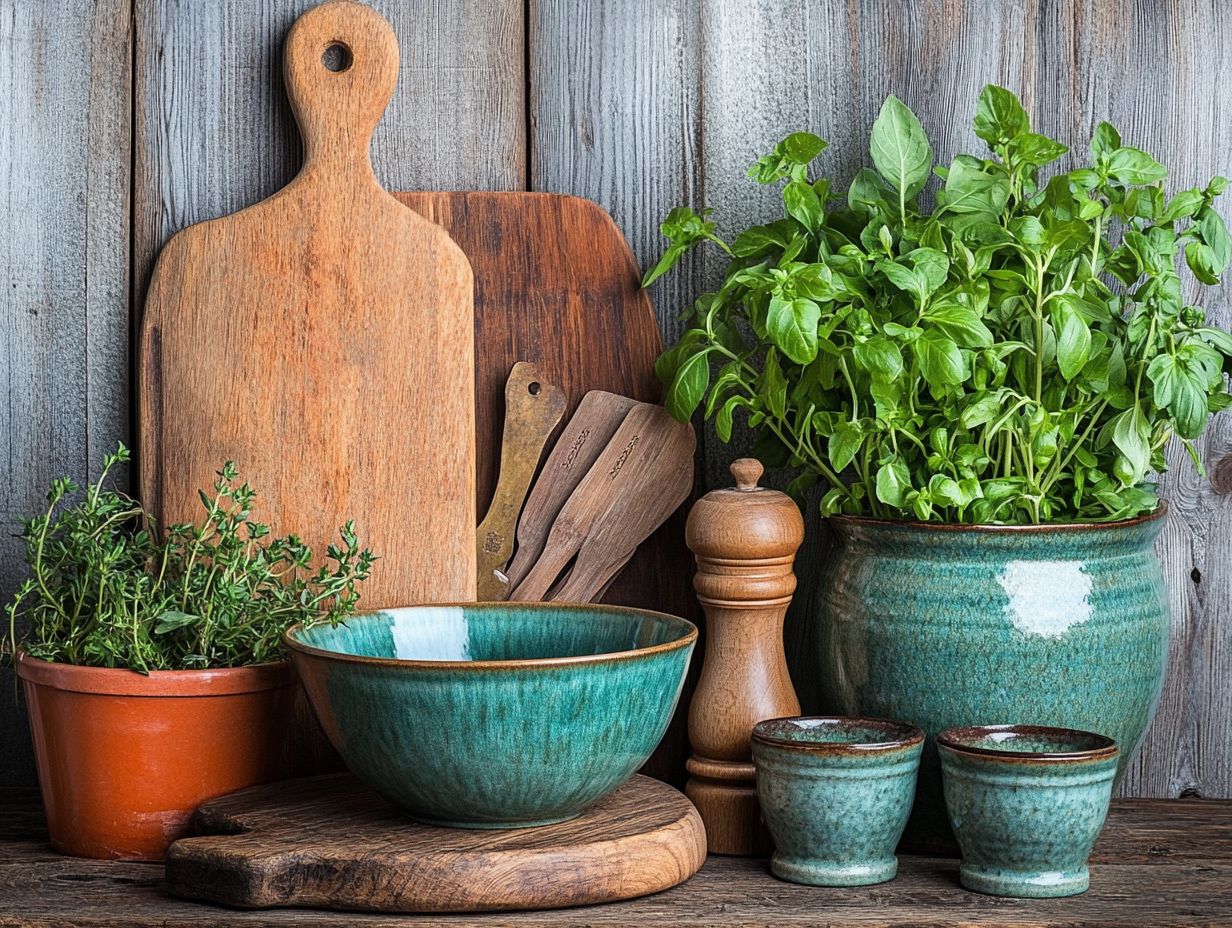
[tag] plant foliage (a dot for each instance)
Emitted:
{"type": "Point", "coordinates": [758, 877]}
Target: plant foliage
{"type": "Point", "coordinates": [104, 591]}
{"type": "Point", "coordinates": [1019, 354]}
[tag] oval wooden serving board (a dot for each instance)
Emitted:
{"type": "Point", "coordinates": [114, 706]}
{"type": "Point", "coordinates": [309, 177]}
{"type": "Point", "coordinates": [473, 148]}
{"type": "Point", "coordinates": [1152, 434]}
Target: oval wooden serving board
{"type": "Point", "coordinates": [329, 842]}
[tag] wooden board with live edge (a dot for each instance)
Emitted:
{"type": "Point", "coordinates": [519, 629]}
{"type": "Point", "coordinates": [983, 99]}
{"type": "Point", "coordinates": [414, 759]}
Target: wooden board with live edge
{"type": "Point", "coordinates": [329, 842]}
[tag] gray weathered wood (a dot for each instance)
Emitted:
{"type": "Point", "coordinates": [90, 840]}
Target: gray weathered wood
{"type": "Point", "coordinates": [214, 132]}
{"type": "Point", "coordinates": [639, 105]}
{"type": "Point", "coordinates": [609, 92]}
{"type": "Point", "coordinates": [615, 116]}
{"type": "Point", "coordinates": [64, 258]}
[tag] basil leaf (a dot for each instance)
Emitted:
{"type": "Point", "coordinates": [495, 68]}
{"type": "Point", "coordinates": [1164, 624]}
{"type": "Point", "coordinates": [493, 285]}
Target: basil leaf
{"type": "Point", "coordinates": [1134, 166]}
{"type": "Point", "coordinates": [1215, 235]}
{"type": "Point", "coordinates": [1129, 434]}
{"type": "Point", "coordinates": [999, 116]}
{"type": "Point", "coordinates": [893, 482]}
{"type": "Point", "coordinates": [939, 357]}
{"type": "Point", "coordinates": [803, 204]}
{"type": "Point", "coordinates": [1073, 342]}
{"type": "Point", "coordinates": [880, 357]}
{"type": "Point", "coordinates": [792, 325]}
{"type": "Point", "coordinates": [961, 323]}
{"type": "Point", "coordinates": [1104, 142]}
{"type": "Point", "coordinates": [843, 445]}
{"type": "Point", "coordinates": [1203, 262]}
{"type": "Point", "coordinates": [803, 147]}
{"type": "Point", "coordinates": [978, 195]}
{"type": "Point", "coordinates": [899, 147]}
{"type": "Point", "coordinates": [685, 392]}
{"type": "Point", "coordinates": [774, 386]}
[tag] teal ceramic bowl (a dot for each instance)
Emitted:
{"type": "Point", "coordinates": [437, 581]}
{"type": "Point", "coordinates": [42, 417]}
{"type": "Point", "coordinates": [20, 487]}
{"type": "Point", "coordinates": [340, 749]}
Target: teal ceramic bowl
{"type": "Point", "coordinates": [1026, 803]}
{"type": "Point", "coordinates": [835, 793]}
{"type": "Point", "coordinates": [495, 715]}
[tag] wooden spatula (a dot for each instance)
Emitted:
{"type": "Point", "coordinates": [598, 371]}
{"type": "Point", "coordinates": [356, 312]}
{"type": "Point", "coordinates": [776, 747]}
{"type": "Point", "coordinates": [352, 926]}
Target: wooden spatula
{"type": "Point", "coordinates": [533, 408]}
{"type": "Point", "coordinates": [323, 339]}
{"type": "Point", "coordinates": [631, 518]}
{"type": "Point", "coordinates": [582, 441]}
{"type": "Point", "coordinates": [649, 449]}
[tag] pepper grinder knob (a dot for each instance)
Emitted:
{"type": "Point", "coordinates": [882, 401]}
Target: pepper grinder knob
{"type": "Point", "coordinates": [747, 472]}
{"type": "Point", "coordinates": [745, 541]}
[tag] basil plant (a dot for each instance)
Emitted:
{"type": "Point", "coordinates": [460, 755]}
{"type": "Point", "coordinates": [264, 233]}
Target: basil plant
{"type": "Point", "coordinates": [1021, 352]}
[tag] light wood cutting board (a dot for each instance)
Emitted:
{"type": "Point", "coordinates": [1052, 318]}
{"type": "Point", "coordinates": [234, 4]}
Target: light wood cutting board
{"type": "Point", "coordinates": [323, 339]}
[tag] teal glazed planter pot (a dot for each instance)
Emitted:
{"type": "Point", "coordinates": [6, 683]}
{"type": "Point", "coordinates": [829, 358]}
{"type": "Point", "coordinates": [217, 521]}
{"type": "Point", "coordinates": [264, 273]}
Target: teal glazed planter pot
{"type": "Point", "coordinates": [1026, 803]}
{"type": "Point", "coordinates": [502, 715]}
{"type": "Point", "coordinates": [947, 626]}
{"type": "Point", "coordinates": [835, 794]}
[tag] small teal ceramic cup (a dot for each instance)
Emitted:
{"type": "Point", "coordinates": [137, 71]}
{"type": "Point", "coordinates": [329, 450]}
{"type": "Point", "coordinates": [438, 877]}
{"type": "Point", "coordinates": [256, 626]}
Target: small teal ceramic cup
{"type": "Point", "coordinates": [495, 715]}
{"type": "Point", "coordinates": [1026, 803]}
{"type": "Point", "coordinates": [836, 793]}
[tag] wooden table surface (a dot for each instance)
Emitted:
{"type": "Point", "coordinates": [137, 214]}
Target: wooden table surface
{"type": "Point", "coordinates": [1159, 863]}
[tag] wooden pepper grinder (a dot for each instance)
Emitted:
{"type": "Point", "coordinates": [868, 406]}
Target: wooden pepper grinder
{"type": "Point", "coordinates": [745, 540]}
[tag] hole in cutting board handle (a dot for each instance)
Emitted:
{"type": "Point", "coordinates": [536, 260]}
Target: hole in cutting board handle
{"type": "Point", "coordinates": [534, 388]}
{"type": "Point", "coordinates": [337, 57]}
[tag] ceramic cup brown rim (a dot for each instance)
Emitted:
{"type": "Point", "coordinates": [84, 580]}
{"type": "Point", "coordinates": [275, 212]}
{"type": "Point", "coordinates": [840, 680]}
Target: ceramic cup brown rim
{"type": "Point", "coordinates": [1103, 747]}
{"type": "Point", "coordinates": [1159, 512]}
{"type": "Point", "coordinates": [686, 640]}
{"type": "Point", "coordinates": [899, 735]}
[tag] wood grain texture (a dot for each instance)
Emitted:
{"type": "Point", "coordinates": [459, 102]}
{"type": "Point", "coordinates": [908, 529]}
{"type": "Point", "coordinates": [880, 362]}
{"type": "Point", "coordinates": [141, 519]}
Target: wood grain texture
{"type": "Point", "coordinates": [555, 284]}
{"type": "Point", "coordinates": [1158, 864]}
{"type": "Point", "coordinates": [214, 132]}
{"type": "Point", "coordinates": [640, 478]}
{"type": "Point", "coordinates": [64, 257]}
{"type": "Point", "coordinates": [323, 340]}
{"type": "Point", "coordinates": [579, 443]}
{"type": "Point", "coordinates": [533, 407]}
{"type": "Point", "coordinates": [328, 842]}
{"type": "Point", "coordinates": [603, 100]}
{"type": "Point", "coordinates": [745, 540]}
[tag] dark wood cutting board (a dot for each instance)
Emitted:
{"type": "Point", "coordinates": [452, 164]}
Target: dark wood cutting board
{"type": "Point", "coordinates": [556, 284]}
{"type": "Point", "coordinates": [328, 842]}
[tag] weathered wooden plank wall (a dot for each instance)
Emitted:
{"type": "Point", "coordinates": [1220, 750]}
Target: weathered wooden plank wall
{"type": "Point", "coordinates": [640, 105]}
{"type": "Point", "coordinates": [64, 269]}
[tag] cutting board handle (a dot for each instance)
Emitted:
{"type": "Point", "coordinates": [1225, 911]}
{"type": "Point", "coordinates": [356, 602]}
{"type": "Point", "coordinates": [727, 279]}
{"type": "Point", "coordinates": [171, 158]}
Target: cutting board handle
{"type": "Point", "coordinates": [340, 65]}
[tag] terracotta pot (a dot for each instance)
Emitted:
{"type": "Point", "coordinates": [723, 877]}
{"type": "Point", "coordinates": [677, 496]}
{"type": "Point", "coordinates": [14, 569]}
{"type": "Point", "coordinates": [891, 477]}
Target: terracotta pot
{"type": "Point", "coordinates": [124, 759]}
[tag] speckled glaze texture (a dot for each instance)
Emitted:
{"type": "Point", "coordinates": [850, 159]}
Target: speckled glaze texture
{"type": "Point", "coordinates": [1026, 804]}
{"type": "Point", "coordinates": [835, 794]}
{"type": "Point", "coordinates": [495, 715]}
{"type": "Point", "coordinates": [946, 626]}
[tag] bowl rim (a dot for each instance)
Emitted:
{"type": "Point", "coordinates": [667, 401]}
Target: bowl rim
{"type": "Point", "coordinates": [898, 735]}
{"type": "Point", "coordinates": [1104, 748]}
{"type": "Point", "coordinates": [688, 639]}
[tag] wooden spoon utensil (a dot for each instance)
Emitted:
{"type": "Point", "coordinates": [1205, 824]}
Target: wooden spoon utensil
{"type": "Point", "coordinates": [631, 519]}
{"type": "Point", "coordinates": [634, 480]}
{"type": "Point", "coordinates": [533, 409]}
{"type": "Point", "coordinates": [598, 416]}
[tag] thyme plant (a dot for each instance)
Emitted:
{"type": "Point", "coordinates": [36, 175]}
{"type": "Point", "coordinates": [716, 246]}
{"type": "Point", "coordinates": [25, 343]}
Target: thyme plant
{"type": "Point", "coordinates": [104, 591]}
